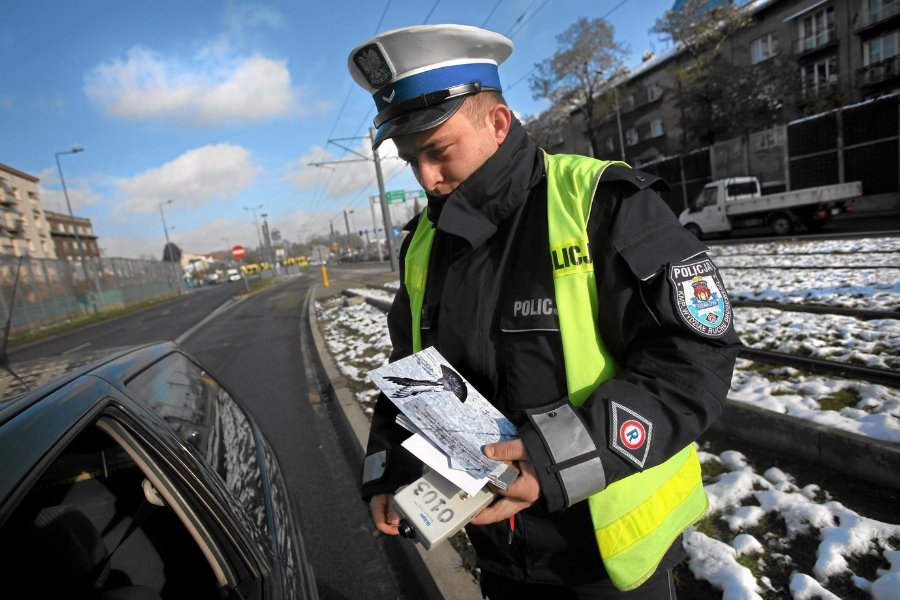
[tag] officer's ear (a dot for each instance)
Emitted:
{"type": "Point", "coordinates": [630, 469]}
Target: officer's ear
{"type": "Point", "coordinates": [500, 120]}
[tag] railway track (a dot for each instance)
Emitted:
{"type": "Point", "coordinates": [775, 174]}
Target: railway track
{"type": "Point", "coordinates": [877, 375]}
{"type": "Point", "coordinates": [822, 309]}
{"type": "Point", "coordinates": [851, 454]}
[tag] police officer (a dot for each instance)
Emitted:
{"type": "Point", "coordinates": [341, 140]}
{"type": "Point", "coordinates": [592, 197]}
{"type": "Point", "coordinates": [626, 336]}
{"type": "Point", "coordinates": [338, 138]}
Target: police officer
{"type": "Point", "coordinates": [563, 289]}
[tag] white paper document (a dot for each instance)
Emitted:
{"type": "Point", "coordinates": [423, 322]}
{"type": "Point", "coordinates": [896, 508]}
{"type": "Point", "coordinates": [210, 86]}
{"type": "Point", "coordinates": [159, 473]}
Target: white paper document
{"type": "Point", "coordinates": [439, 405]}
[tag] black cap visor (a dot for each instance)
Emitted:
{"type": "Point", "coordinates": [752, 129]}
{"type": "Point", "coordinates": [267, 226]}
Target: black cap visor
{"type": "Point", "coordinates": [417, 121]}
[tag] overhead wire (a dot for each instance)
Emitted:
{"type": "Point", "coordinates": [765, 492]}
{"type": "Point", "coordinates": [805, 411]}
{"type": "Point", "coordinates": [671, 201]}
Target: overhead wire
{"type": "Point", "coordinates": [515, 29]}
{"type": "Point", "coordinates": [535, 68]}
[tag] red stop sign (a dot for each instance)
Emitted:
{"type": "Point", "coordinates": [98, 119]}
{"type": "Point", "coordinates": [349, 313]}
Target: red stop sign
{"type": "Point", "coordinates": [238, 252]}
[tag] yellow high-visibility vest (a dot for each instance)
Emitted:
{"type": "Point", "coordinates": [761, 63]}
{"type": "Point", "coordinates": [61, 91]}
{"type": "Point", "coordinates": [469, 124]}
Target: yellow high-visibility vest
{"type": "Point", "coordinates": [637, 518]}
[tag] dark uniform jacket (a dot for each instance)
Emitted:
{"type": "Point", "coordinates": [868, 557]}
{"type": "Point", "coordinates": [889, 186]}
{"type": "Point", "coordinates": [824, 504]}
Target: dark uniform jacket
{"type": "Point", "coordinates": [489, 311]}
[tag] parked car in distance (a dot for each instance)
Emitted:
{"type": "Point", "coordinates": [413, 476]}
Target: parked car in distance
{"type": "Point", "coordinates": [140, 476]}
{"type": "Point", "coordinates": [233, 275]}
{"type": "Point", "coordinates": [215, 277]}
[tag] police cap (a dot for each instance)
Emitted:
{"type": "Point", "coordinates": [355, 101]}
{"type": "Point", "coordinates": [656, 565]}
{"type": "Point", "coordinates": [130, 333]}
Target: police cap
{"type": "Point", "coordinates": [419, 76]}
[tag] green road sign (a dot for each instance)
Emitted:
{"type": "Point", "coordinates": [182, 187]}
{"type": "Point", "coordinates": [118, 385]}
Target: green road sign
{"type": "Point", "coordinates": [401, 196]}
{"type": "Point", "coordinates": [395, 196]}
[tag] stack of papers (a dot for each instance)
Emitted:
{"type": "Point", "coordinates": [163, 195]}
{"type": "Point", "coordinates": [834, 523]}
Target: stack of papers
{"type": "Point", "coordinates": [450, 421]}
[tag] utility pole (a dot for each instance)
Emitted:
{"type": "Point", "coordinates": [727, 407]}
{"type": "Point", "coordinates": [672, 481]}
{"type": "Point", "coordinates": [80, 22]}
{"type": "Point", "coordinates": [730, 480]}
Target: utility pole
{"type": "Point", "coordinates": [347, 225]}
{"type": "Point", "coordinates": [385, 213]}
{"type": "Point", "coordinates": [375, 228]}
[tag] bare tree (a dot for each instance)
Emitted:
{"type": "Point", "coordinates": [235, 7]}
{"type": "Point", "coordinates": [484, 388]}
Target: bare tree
{"type": "Point", "coordinates": [700, 28]}
{"type": "Point", "coordinates": [587, 56]}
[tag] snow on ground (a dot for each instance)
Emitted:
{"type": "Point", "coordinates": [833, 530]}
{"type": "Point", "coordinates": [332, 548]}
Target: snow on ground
{"type": "Point", "coordinates": [767, 535]}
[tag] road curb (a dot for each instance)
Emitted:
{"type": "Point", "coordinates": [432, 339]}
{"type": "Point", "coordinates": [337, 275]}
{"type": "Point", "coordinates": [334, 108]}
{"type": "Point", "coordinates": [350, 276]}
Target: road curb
{"type": "Point", "coordinates": [862, 457]}
{"type": "Point", "coordinates": [442, 562]}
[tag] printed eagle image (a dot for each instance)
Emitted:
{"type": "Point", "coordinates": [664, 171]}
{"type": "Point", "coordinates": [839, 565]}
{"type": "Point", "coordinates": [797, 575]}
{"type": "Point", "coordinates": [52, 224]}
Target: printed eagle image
{"type": "Point", "coordinates": [449, 380]}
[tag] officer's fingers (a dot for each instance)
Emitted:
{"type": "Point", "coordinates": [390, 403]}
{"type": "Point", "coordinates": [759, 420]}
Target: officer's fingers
{"type": "Point", "coordinates": [526, 487]}
{"type": "Point", "coordinates": [500, 510]}
{"type": "Point", "coordinates": [385, 518]}
{"type": "Point", "coordinates": [513, 450]}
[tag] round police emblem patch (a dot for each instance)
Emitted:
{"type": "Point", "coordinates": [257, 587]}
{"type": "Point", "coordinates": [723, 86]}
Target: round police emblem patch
{"type": "Point", "coordinates": [632, 434]}
{"type": "Point", "coordinates": [700, 298]}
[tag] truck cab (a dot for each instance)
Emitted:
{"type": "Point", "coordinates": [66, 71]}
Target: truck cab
{"type": "Point", "coordinates": [708, 212]}
{"type": "Point", "coordinates": [736, 202]}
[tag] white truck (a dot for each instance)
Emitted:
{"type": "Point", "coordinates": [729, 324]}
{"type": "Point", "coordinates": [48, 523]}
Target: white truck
{"type": "Point", "coordinates": [735, 203]}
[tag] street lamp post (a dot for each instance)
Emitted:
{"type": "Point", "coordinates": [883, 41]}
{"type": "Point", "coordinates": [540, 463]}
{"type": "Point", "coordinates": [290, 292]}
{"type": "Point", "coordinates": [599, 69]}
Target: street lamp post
{"type": "Point", "coordinates": [62, 180]}
{"type": "Point", "coordinates": [165, 229]}
{"type": "Point", "coordinates": [75, 150]}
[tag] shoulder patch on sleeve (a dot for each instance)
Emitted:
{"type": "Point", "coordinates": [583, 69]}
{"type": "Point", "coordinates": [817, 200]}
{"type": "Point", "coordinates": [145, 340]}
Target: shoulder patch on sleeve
{"type": "Point", "coordinates": [629, 434]}
{"type": "Point", "coordinates": [699, 296]}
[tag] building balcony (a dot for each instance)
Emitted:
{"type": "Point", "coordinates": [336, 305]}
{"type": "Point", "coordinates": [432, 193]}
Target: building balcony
{"type": "Point", "coordinates": [879, 72]}
{"type": "Point", "coordinates": [869, 17]}
{"type": "Point", "coordinates": [811, 93]}
{"type": "Point", "coordinates": [811, 43]}
{"type": "Point", "coordinates": [12, 223]}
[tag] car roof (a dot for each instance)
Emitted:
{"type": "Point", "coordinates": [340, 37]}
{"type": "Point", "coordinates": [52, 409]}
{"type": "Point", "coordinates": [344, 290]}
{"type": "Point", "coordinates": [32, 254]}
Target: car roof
{"type": "Point", "coordinates": [23, 384]}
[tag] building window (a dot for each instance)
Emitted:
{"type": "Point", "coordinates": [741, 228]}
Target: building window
{"type": "Point", "coordinates": [815, 29]}
{"type": "Point", "coordinates": [610, 144]}
{"type": "Point", "coordinates": [631, 137]}
{"type": "Point", "coordinates": [876, 10]}
{"type": "Point", "coordinates": [881, 48]}
{"type": "Point", "coordinates": [817, 77]}
{"type": "Point", "coordinates": [629, 101]}
{"type": "Point", "coordinates": [763, 48]}
{"type": "Point", "coordinates": [654, 92]}
{"type": "Point", "coordinates": [656, 128]}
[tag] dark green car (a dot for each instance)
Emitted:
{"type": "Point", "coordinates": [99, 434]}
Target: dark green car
{"type": "Point", "coordinates": [140, 476]}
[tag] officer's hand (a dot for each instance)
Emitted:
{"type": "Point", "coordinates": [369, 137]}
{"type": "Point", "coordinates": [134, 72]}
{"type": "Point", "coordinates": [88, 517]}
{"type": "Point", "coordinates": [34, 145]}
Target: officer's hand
{"type": "Point", "coordinates": [522, 493]}
{"type": "Point", "coordinates": [385, 519]}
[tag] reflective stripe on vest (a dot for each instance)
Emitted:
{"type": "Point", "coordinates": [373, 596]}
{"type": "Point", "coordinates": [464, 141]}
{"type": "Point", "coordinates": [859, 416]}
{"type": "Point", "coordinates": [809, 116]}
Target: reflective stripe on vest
{"type": "Point", "coordinates": [637, 518]}
{"type": "Point", "coordinates": [416, 274]}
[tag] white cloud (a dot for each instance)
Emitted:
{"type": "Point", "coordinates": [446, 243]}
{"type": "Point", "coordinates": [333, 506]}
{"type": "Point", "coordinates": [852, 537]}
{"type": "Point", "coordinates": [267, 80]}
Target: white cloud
{"type": "Point", "coordinates": [243, 16]}
{"type": "Point", "coordinates": [212, 90]}
{"type": "Point", "coordinates": [79, 190]}
{"type": "Point", "coordinates": [192, 179]}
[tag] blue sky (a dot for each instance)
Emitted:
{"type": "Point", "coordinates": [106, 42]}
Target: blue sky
{"type": "Point", "coordinates": [220, 106]}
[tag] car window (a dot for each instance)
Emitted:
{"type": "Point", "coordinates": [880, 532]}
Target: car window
{"type": "Point", "coordinates": [92, 523]}
{"type": "Point", "coordinates": [205, 416]}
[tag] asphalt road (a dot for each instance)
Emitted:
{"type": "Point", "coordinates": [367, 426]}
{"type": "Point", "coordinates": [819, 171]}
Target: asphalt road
{"type": "Point", "coordinates": [165, 321]}
{"type": "Point", "coordinates": [257, 349]}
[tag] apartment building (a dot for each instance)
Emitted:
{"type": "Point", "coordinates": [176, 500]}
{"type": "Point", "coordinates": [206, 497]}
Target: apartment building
{"type": "Point", "coordinates": [840, 52]}
{"type": "Point", "coordinates": [24, 230]}
{"type": "Point", "coordinates": [70, 232]}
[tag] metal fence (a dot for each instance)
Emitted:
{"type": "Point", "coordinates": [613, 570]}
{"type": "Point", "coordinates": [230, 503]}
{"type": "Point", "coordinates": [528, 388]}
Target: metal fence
{"type": "Point", "coordinates": [50, 290]}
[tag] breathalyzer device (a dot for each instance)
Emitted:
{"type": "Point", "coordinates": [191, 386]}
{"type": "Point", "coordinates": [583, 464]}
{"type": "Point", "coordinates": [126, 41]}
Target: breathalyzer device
{"type": "Point", "coordinates": [432, 509]}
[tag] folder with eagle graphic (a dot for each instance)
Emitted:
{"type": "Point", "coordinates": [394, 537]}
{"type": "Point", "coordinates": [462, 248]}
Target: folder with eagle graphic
{"type": "Point", "coordinates": [438, 404]}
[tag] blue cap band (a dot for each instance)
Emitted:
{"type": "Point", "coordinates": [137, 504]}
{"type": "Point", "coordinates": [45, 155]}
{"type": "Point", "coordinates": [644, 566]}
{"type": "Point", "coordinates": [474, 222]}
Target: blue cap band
{"type": "Point", "coordinates": [435, 80]}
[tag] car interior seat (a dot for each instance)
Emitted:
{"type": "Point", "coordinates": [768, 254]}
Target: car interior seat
{"type": "Point", "coordinates": [63, 556]}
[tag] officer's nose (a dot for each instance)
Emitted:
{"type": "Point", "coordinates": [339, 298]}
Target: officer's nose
{"type": "Point", "coordinates": [430, 176]}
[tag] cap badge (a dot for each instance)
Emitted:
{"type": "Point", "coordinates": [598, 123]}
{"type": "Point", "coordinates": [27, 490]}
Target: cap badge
{"type": "Point", "coordinates": [372, 64]}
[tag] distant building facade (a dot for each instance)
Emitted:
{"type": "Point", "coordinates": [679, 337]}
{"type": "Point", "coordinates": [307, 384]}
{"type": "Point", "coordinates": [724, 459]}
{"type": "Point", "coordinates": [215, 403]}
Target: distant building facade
{"type": "Point", "coordinates": [842, 59]}
{"type": "Point", "coordinates": [24, 230]}
{"type": "Point", "coordinates": [67, 232]}
{"type": "Point", "coordinates": [843, 51]}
